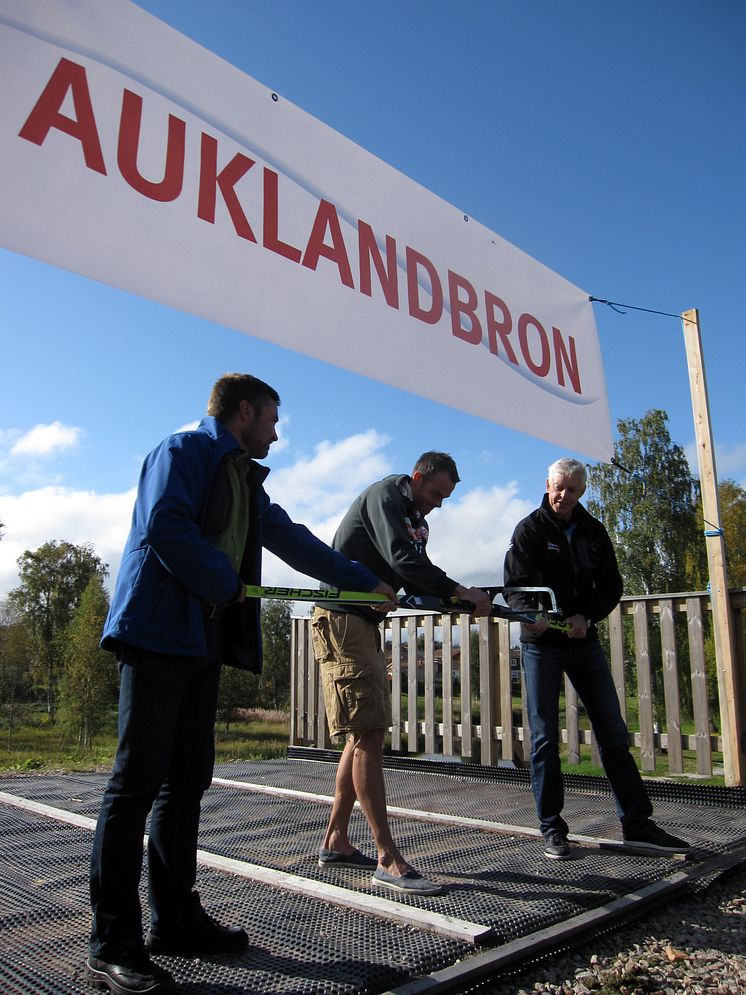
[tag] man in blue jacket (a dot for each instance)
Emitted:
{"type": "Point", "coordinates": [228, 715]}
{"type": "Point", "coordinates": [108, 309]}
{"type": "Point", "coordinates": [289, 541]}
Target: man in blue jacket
{"type": "Point", "coordinates": [178, 612]}
{"type": "Point", "coordinates": [561, 546]}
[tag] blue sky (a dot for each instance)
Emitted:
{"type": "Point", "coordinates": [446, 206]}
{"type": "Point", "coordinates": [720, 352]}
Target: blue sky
{"type": "Point", "coordinates": [607, 140]}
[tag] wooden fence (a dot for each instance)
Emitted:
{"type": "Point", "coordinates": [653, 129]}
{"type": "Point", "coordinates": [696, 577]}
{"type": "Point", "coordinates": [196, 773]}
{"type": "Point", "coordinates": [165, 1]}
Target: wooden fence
{"type": "Point", "coordinates": [457, 689]}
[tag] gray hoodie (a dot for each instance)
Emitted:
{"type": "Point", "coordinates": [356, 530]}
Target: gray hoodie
{"type": "Point", "coordinates": [384, 530]}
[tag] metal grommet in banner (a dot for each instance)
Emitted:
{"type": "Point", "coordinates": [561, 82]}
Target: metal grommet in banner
{"type": "Point", "coordinates": [275, 97]}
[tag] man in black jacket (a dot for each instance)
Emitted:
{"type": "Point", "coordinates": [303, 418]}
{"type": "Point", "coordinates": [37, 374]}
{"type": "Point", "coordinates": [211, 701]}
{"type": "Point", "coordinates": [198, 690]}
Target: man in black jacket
{"type": "Point", "coordinates": [386, 530]}
{"type": "Point", "coordinates": [561, 546]}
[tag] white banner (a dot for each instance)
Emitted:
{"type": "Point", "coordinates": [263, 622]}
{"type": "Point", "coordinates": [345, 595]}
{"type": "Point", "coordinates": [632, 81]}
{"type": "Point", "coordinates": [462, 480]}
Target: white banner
{"type": "Point", "coordinates": [134, 156]}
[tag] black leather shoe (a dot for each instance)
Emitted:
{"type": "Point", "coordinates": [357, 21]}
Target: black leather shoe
{"type": "Point", "coordinates": [201, 935]}
{"type": "Point", "coordinates": [556, 846]}
{"type": "Point", "coordinates": [132, 974]}
{"type": "Point", "coordinates": [656, 840]}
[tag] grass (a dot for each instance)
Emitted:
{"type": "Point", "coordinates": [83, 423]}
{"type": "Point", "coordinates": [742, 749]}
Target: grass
{"type": "Point", "coordinates": [586, 767]}
{"type": "Point", "coordinates": [39, 745]}
{"type": "Point", "coordinates": [257, 734]}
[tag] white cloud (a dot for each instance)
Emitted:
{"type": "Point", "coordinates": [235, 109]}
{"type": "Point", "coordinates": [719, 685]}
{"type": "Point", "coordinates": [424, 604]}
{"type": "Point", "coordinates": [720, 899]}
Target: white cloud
{"type": "Point", "coordinates": [469, 534]}
{"type": "Point", "coordinates": [314, 490]}
{"type": "Point", "coordinates": [45, 440]}
{"type": "Point", "coordinates": [317, 490]}
{"type": "Point", "coordinates": [48, 513]}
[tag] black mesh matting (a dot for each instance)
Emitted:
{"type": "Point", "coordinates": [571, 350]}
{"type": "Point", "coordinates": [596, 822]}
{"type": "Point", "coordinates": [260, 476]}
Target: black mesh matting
{"type": "Point", "coordinates": [296, 944]}
{"type": "Point", "coordinates": [505, 772]}
{"type": "Point", "coordinates": [304, 945]}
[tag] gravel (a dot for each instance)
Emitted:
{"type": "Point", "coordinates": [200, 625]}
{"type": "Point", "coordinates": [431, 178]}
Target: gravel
{"type": "Point", "coordinates": [691, 946]}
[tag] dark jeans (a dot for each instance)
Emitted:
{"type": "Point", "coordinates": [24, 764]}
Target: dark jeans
{"type": "Point", "coordinates": [588, 672]}
{"type": "Point", "coordinates": [163, 765]}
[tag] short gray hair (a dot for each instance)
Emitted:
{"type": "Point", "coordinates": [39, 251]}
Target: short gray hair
{"type": "Point", "coordinates": [568, 467]}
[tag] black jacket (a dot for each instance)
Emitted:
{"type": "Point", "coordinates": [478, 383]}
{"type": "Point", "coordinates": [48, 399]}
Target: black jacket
{"type": "Point", "coordinates": [582, 571]}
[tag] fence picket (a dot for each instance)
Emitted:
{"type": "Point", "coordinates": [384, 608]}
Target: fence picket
{"type": "Point", "coordinates": [501, 737]}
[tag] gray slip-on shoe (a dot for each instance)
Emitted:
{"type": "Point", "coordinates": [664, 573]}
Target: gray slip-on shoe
{"type": "Point", "coordinates": [410, 883]}
{"type": "Point", "coordinates": [330, 858]}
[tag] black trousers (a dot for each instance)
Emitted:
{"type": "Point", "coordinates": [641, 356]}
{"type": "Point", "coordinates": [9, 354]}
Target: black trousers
{"type": "Point", "coordinates": [163, 766]}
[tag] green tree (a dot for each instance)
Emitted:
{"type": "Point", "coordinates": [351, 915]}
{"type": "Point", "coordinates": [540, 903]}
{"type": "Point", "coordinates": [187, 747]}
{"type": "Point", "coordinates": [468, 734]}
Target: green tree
{"type": "Point", "coordinates": [649, 511]}
{"type": "Point", "coordinates": [16, 654]}
{"type": "Point", "coordinates": [241, 689]}
{"type": "Point", "coordinates": [53, 579]}
{"type": "Point", "coordinates": [732, 499]}
{"type": "Point", "coordinates": [89, 678]}
{"type": "Point", "coordinates": [275, 680]}
{"type": "Point", "coordinates": [238, 689]}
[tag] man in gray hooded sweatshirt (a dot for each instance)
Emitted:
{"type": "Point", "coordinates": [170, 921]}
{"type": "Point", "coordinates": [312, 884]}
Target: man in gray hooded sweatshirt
{"type": "Point", "coordinates": [385, 529]}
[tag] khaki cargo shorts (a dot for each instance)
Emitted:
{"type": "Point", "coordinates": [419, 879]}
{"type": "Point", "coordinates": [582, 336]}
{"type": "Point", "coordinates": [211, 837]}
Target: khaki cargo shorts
{"type": "Point", "coordinates": [348, 650]}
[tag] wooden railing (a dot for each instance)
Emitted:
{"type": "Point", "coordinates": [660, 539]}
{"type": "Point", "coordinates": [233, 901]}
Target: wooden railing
{"type": "Point", "coordinates": [457, 688]}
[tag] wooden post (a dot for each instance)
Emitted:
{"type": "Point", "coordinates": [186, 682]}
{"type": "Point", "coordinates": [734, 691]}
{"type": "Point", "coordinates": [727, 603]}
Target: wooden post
{"type": "Point", "coordinates": [505, 689]}
{"type": "Point", "coordinates": [429, 625]}
{"type": "Point", "coordinates": [396, 722]}
{"type": "Point", "coordinates": [671, 689]}
{"type": "Point", "coordinates": [702, 738]}
{"type": "Point", "coordinates": [467, 728]}
{"type": "Point", "coordinates": [489, 690]}
{"type": "Point", "coordinates": [644, 686]}
{"type": "Point", "coordinates": [294, 629]}
{"type": "Point", "coordinates": [446, 677]}
{"type": "Point", "coordinates": [412, 727]}
{"type": "Point", "coordinates": [722, 617]}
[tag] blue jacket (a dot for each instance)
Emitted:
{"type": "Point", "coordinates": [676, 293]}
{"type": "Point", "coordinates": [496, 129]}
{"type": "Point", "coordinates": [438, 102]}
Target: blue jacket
{"type": "Point", "coordinates": [171, 570]}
